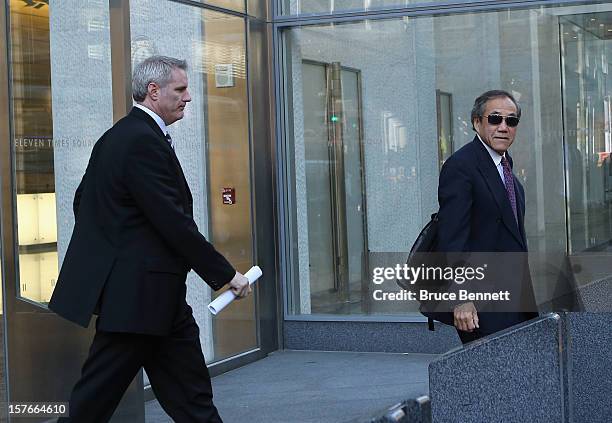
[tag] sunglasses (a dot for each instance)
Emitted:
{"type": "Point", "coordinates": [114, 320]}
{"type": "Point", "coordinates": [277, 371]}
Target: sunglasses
{"type": "Point", "coordinates": [511, 121]}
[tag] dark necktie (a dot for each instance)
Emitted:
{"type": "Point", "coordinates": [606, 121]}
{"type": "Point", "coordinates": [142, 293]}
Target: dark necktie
{"type": "Point", "coordinates": [169, 139]}
{"type": "Point", "coordinates": [509, 182]}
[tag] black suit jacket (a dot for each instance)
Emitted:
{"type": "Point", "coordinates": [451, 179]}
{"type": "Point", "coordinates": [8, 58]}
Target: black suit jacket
{"type": "Point", "coordinates": [476, 216]}
{"type": "Point", "coordinates": [134, 238]}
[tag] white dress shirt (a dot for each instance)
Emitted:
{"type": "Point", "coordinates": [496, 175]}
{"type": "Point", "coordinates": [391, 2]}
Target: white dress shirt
{"type": "Point", "coordinates": [155, 117]}
{"type": "Point", "coordinates": [496, 159]}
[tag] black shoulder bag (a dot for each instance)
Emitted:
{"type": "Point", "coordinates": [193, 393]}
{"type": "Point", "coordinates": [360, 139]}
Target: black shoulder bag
{"type": "Point", "coordinates": [419, 255]}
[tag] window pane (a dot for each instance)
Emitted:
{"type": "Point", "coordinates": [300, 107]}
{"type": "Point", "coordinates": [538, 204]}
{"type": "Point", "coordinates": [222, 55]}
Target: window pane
{"type": "Point", "coordinates": [301, 7]}
{"type": "Point", "coordinates": [58, 113]}
{"type": "Point", "coordinates": [258, 8]}
{"type": "Point", "coordinates": [237, 5]}
{"type": "Point", "coordinates": [588, 130]}
{"type": "Point", "coordinates": [411, 101]}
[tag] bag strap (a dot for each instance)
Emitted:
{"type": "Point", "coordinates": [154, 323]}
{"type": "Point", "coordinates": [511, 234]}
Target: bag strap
{"type": "Point", "coordinates": [430, 324]}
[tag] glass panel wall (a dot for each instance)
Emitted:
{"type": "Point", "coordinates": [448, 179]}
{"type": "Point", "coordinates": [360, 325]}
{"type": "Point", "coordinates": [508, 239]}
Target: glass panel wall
{"type": "Point", "coordinates": [237, 5]}
{"type": "Point", "coordinates": [417, 81]}
{"type": "Point", "coordinates": [212, 144]}
{"type": "Point", "coordinates": [587, 46]}
{"type": "Point", "coordinates": [224, 65]}
{"type": "Point", "coordinates": [336, 210]}
{"type": "Point", "coordinates": [259, 8]}
{"type": "Point", "coordinates": [303, 7]}
{"type": "Point", "coordinates": [51, 151]}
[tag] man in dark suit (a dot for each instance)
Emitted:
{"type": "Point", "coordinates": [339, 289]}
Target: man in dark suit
{"type": "Point", "coordinates": [133, 243]}
{"type": "Point", "coordinates": [482, 209]}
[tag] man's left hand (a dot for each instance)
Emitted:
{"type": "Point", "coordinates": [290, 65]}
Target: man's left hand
{"type": "Point", "coordinates": [466, 317]}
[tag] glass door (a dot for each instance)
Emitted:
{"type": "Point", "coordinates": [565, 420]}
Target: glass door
{"type": "Point", "coordinates": [586, 41]}
{"type": "Point", "coordinates": [334, 187]}
{"type": "Point", "coordinates": [61, 102]}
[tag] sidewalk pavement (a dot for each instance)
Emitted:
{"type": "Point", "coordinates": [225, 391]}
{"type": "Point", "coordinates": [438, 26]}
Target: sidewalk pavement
{"type": "Point", "coordinates": [314, 387]}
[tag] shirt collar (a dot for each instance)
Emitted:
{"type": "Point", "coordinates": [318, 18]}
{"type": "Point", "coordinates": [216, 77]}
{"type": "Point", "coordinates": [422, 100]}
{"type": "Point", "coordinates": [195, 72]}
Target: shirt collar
{"type": "Point", "coordinates": [155, 116]}
{"type": "Point", "coordinates": [494, 154]}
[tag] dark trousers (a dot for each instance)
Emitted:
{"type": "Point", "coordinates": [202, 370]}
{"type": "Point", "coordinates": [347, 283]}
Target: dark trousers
{"type": "Point", "coordinates": [175, 366]}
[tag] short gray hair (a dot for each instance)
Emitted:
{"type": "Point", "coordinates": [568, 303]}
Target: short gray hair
{"type": "Point", "coordinates": [481, 103]}
{"type": "Point", "coordinates": [157, 69]}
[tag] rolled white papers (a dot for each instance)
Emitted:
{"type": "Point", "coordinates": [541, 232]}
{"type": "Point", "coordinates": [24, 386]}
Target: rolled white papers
{"type": "Point", "coordinates": [228, 296]}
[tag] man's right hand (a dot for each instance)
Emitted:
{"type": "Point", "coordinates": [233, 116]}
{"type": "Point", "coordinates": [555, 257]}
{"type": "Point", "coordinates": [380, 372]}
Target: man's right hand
{"type": "Point", "coordinates": [240, 285]}
{"type": "Point", "coordinates": [466, 317]}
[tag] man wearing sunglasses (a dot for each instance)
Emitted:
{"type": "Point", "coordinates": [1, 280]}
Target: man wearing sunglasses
{"type": "Point", "coordinates": [482, 209]}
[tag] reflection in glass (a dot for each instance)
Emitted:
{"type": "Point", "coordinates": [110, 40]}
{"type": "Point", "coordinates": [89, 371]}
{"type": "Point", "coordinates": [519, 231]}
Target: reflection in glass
{"type": "Point", "coordinates": [34, 156]}
{"type": "Point", "coordinates": [587, 47]}
{"type": "Point", "coordinates": [237, 5]}
{"type": "Point", "coordinates": [258, 8]}
{"type": "Point", "coordinates": [234, 330]}
{"type": "Point", "coordinates": [334, 185]}
{"type": "Point", "coordinates": [417, 91]}
{"type": "Point", "coordinates": [58, 114]}
{"type": "Point", "coordinates": [301, 7]}
{"type": "Point", "coordinates": [444, 113]}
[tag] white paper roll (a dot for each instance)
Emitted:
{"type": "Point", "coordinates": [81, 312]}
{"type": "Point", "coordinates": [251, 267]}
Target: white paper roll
{"type": "Point", "coordinates": [228, 296]}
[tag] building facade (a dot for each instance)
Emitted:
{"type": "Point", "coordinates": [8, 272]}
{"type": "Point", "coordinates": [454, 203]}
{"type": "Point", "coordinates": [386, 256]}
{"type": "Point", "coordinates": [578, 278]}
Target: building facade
{"type": "Point", "coordinates": [312, 146]}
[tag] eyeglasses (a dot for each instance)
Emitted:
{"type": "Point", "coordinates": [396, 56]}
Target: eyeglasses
{"type": "Point", "coordinates": [511, 121]}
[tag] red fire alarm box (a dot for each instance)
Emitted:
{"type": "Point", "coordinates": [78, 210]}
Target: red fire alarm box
{"type": "Point", "coordinates": [229, 196]}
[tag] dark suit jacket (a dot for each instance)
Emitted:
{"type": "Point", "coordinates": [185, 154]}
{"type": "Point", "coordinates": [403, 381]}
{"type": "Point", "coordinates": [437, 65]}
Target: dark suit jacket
{"type": "Point", "coordinates": [134, 238]}
{"type": "Point", "coordinates": [476, 216]}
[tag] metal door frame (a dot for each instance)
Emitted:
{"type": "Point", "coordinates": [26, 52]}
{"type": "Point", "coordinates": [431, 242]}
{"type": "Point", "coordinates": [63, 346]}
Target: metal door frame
{"type": "Point", "coordinates": [63, 345]}
{"type": "Point", "coordinates": [6, 240]}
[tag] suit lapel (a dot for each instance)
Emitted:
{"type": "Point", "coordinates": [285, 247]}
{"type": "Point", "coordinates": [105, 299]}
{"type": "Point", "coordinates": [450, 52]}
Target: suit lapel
{"type": "Point", "coordinates": [188, 204]}
{"type": "Point", "coordinates": [491, 177]}
{"type": "Point", "coordinates": [187, 198]}
{"type": "Point", "coordinates": [137, 113]}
